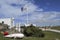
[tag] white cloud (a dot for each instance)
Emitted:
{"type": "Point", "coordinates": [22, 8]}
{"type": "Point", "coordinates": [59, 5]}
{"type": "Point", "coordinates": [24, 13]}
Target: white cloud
{"type": "Point", "coordinates": [42, 17]}
{"type": "Point", "coordinates": [9, 10]}
{"type": "Point", "coordinates": [30, 7]}
{"type": "Point", "coordinates": [40, 10]}
{"type": "Point", "coordinates": [45, 17]}
{"type": "Point", "coordinates": [36, 14]}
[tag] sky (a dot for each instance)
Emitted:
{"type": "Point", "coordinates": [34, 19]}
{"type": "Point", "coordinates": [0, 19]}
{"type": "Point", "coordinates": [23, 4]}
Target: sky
{"type": "Point", "coordinates": [40, 12]}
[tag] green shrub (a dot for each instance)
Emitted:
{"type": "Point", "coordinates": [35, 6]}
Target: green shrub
{"type": "Point", "coordinates": [33, 31]}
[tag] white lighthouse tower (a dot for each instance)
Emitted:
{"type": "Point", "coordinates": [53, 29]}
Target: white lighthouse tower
{"type": "Point", "coordinates": [12, 22]}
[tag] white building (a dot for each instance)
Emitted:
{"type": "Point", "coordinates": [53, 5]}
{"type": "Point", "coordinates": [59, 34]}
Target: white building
{"type": "Point", "coordinates": [30, 24]}
{"type": "Point", "coordinates": [8, 21]}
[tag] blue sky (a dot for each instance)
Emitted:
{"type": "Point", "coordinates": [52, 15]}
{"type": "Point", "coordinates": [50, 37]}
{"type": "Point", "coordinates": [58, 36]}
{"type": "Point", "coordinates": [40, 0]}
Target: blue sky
{"type": "Point", "coordinates": [40, 12]}
{"type": "Point", "coordinates": [49, 5]}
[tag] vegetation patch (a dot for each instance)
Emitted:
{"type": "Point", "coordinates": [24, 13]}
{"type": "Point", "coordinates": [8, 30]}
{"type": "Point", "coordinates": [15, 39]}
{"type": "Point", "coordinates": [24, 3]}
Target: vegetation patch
{"type": "Point", "coordinates": [32, 31]}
